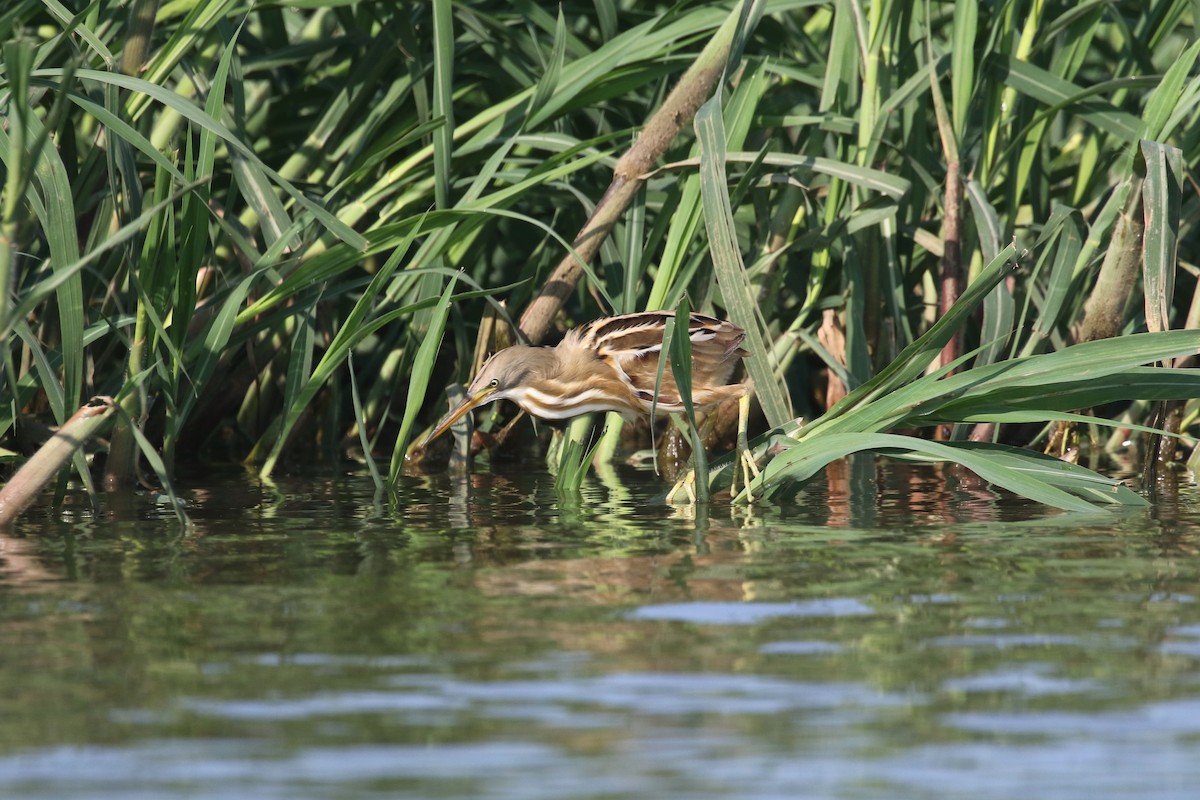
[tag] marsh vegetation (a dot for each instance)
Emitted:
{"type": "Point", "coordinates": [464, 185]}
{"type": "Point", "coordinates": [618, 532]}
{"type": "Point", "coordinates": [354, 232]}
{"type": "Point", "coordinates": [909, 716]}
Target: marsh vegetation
{"type": "Point", "coordinates": [271, 233]}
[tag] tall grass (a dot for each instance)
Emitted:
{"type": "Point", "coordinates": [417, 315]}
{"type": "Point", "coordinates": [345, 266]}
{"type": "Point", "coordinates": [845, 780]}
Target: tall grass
{"type": "Point", "coordinates": [207, 209]}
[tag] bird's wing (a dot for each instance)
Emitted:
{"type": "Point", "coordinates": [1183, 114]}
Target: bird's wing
{"type": "Point", "coordinates": [632, 344]}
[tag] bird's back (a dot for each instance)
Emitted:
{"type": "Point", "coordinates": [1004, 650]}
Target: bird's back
{"type": "Point", "coordinates": [631, 345]}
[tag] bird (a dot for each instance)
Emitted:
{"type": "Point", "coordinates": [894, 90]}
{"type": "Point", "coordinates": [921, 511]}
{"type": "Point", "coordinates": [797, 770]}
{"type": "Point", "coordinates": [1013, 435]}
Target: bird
{"type": "Point", "coordinates": [608, 364]}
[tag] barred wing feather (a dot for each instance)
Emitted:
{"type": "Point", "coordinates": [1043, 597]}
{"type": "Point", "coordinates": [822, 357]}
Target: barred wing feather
{"type": "Point", "coordinates": [632, 345]}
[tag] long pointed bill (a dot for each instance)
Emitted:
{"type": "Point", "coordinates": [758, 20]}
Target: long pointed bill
{"type": "Point", "coordinates": [458, 412]}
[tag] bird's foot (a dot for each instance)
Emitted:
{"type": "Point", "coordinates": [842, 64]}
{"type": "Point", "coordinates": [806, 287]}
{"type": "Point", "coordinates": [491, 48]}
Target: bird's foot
{"type": "Point", "coordinates": [686, 485]}
{"type": "Point", "coordinates": [749, 470]}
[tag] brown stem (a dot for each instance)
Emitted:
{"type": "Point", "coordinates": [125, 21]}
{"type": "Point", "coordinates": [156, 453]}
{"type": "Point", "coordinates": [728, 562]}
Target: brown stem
{"type": "Point", "coordinates": [951, 278]}
{"type": "Point", "coordinates": [952, 272]}
{"type": "Point", "coordinates": [1104, 311]}
{"type": "Point", "coordinates": [628, 176]}
{"type": "Point", "coordinates": [140, 30]}
{"type": "Point", "coordinates": [832, 337]}
{"type": "Point", "coordinates": [19, 492]}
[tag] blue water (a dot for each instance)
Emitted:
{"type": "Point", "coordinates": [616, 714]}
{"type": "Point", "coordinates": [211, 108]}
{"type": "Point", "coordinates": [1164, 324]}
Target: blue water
{"type": "Point", "coordinates": [911, 638]}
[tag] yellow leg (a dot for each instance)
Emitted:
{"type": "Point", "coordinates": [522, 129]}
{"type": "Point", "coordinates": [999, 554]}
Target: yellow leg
{"type": "Point", "coordinates": [746, 463]}
{"type": "Point", "coordinates": [686, 484]}
{"type": "Point", "coordinates": [749, 466]}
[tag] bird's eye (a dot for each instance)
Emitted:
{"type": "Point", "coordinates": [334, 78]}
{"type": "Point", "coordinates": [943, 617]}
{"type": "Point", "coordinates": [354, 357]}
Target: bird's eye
{"type": "Point", "coordinates": [495, 382]}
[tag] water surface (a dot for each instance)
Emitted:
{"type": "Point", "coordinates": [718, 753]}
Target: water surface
{"type": "Point", "coordinates": [919, 637]}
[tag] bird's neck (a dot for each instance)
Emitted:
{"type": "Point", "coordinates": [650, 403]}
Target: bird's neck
{"type": "Point", "coordinates": [558, 386]}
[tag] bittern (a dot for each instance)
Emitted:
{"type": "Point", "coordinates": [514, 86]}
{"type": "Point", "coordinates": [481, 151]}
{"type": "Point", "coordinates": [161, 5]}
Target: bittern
{"type": "Point", "coordinates": [609, 364]}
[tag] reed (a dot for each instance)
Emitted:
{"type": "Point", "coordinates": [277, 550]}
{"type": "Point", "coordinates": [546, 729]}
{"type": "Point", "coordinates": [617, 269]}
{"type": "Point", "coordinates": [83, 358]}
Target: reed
{"type": "Point", "coordinates": [215, 214]}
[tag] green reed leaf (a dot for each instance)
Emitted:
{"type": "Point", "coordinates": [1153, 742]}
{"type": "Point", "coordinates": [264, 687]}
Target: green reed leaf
{"type": "Point", "coordinates": [739, 295]}
{"type": "Point", "coordinates": [422, 369]}
{"type": "Point", "coordinates": [1161, 200]}
{"type": "Point", "coordinates": [681, 371]}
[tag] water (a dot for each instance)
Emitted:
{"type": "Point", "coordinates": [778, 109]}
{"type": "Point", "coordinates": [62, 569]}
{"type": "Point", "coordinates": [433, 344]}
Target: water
{"type": "Point", "coordinates": [917, 637]}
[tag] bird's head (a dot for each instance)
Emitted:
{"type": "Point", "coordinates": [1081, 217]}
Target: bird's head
{"type": "Point", "coordinates": [501, 376]}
